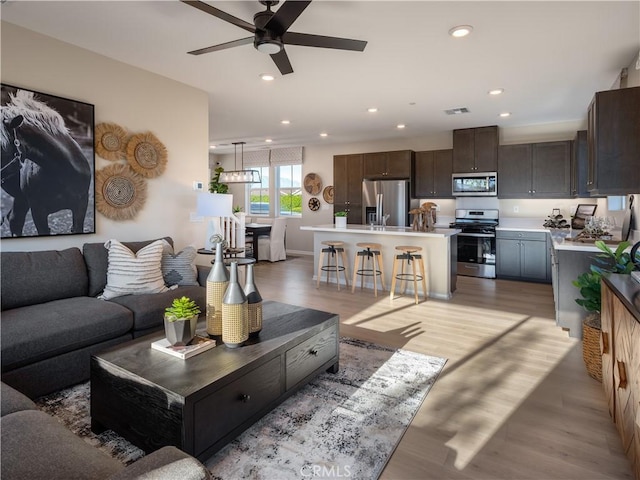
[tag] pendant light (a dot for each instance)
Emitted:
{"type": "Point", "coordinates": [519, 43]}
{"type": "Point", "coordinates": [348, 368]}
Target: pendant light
{"type": "Point", "coordinates": [242, 175]}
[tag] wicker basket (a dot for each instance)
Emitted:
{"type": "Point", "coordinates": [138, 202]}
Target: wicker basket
{"type": "Point", "coordinates": [591, 350]}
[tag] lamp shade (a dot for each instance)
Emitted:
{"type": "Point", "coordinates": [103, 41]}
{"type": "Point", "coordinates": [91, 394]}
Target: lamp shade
{"type": "Point", "coordinates": [214, 205]}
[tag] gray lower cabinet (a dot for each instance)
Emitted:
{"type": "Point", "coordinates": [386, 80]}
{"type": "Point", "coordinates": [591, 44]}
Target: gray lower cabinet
{"type": "Point", "coordinates": [522, 256]}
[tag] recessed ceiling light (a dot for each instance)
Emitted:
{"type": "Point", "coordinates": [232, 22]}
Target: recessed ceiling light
{"type": "Point", "coordinates": [285, 122]}
{"type": "Point", "coordinates": [212, 147]}
{"type": "Point", "coordinates": [401, 125]}
{"type": "Point", "coordinates": [505, 114]}
{"type": "Point", "coordinates": [496, 91]}
{"type": "Point", "coordinates": [268, 140]}
{"type": "Point", "coordinates": [324, 134]}
{"type": "Point", "coordinates": [372, 110]}
{"type": "Point", "coordinates": [267, 77]}
{"type": "Point", "coordinates": [460, 31]}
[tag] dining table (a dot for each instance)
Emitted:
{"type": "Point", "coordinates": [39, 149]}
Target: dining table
{"type": "Point", "coordinates": [256, 230]}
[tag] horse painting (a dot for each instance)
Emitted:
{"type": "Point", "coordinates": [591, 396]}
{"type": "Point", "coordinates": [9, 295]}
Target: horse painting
{"type": "Point", "coordinates": [43, 168]}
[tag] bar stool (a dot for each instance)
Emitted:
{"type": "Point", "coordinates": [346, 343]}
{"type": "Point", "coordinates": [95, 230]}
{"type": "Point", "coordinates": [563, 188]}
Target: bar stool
{"type": "Point", "coordinates": [409, 256]}
{"type": "Point", "coordinates": [333, 248]}
{"type": "Point", "coordinates": [371, 254]}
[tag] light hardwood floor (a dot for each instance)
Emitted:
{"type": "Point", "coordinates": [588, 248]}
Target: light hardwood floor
{"type": "Point", "coordinates": [514, 400]}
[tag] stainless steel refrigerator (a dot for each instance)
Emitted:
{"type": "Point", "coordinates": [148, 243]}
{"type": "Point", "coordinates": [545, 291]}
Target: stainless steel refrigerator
{"type": "Point", "coordinates": [386, 197]}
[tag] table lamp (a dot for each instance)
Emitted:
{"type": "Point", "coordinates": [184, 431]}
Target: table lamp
{"type": "Point", "coordinates": [214, 206]}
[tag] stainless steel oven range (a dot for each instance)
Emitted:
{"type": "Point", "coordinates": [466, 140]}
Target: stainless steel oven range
{"type": "Point", "coordinates": [477, 242]}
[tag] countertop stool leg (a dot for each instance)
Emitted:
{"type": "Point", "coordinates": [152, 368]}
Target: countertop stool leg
{"type": "Point", "coordinates": [424, 277]}
{"type": "Point", "coordinates": [355, 272]}
{"type": "Point", "coordinates": [415, 280]}
{"type": "Point", "coordinates": [345, 270]}
{"type": "Point", "coordinates": [393, 278]}
{"type": "Point", "coordinates": [320, 264]}
{"type": "Point", "coordinates": [381, 267]}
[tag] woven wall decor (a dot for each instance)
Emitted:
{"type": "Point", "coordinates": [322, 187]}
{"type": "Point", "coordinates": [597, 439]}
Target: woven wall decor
{"type": "Point", "coordinates": [110, 141]}
{"type": "Point", "coordinates": [120, 192]}
{"type": "Point", "coordinates": [147, 155]}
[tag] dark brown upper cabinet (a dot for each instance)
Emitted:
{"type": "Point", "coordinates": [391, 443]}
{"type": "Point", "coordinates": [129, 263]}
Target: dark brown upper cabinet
{"type": "Point", "coordinates": [613, 139]}
{"type": "Point", "coordinates": [347, 186]}
{"type": "Point", "coordinates": [388, 165]}
{"type": "Point", "coordinates": [432, 174]}
{"type": "Point", "coordinates": [579, 165]}
{"type": "Point", "coordinates": [475, 150]}
{"type": "Point", "coordinates": [535, 170]}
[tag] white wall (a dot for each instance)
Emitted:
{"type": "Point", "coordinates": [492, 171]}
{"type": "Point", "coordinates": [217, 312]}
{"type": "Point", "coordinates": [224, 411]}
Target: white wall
{"type": "Point", "coordinates": [135, 99]}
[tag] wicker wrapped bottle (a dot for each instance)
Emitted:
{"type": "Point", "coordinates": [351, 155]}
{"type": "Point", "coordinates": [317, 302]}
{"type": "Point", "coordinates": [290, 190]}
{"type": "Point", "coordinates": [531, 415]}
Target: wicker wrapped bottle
{"type": "Point", "coordinates": [254, 300]}
{"type": "Point", "coordinates": [217, 283]}
{"type": "Point", "coordinates": [235, 322]}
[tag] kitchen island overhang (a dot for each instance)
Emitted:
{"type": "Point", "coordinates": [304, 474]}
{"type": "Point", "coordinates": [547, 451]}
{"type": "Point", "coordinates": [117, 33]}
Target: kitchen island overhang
{"type": "Point", "coordinates": [439, 249]}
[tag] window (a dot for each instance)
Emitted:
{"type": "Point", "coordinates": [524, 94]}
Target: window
{"type": "Point", "coordinates": [289, 189]}
{"type": "Point", "coordinates": [259, 193]}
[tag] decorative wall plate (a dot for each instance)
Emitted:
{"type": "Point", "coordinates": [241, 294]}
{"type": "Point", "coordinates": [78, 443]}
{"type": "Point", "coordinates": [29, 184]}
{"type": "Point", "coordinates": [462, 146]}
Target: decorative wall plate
{"type": "Point", "coordinates": [147, 155]}
{"type": "Point", "coordinates": [314, 204]}
{"type": "Point", "coordinates": [313, 183]}
{"type": "Point", "coordinates": [327, 194]}
{"type": "Point", "coordinates": [110, 141]}
{"type": "Point", "coordinates": [120, 192]}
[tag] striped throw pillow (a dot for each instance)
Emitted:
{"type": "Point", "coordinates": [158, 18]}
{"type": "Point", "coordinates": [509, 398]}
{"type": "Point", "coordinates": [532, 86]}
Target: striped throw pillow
{"type": "Point", "coordinates": [179, 268]}
{"type": "Point", "coordinates": [131, 273]}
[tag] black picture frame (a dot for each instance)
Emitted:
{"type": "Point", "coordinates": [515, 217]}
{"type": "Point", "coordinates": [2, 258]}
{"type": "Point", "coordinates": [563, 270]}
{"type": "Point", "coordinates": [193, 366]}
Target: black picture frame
{"type": "Point", "coordinates": [583, 211]}
{"type": "Point", "coordinates": [47, 189]}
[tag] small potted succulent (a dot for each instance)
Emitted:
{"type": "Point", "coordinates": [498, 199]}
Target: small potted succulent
{"type": "Point", "coordinates": [180, 321]}
{"type": "Point", "coordinates": [341, 219]}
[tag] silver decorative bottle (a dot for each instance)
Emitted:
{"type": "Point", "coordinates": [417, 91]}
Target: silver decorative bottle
{"type": "Point", "coordinates": [235, 321]}
{"type": "Point", "coordinates": [217, 283]}
{"type": "Point", "coordinates": [254, 300]}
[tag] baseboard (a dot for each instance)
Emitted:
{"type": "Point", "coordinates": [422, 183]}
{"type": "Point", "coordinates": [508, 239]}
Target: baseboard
{"type": "Point", "coordinates": [300, 252]}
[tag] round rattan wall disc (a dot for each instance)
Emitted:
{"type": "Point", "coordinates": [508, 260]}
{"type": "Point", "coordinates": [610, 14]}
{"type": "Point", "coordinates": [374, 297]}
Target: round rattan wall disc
{"type": "Point", "coordinates": [313, 184]}
{"type": "Point", "coordinates": [110, 141]}
{"type": "Point", "coordinates": [147, 155]}
{"type": "Point", "coordinates": [120, 192]}
{"type": "Point", "coordinates": [327, 194]}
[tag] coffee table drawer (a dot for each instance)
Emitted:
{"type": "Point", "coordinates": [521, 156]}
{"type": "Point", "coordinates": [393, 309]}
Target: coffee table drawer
{"type": "Point", "coordinates": [310, 355]}
{"type": "Point", "coordinates": [225, 409]}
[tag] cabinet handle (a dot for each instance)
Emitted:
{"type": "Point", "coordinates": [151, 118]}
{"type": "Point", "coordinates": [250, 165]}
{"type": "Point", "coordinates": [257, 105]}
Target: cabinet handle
{"type": "Point", "coordinates": [533, 191]}
{"type": "Point", "coordinates": [605, 342]}
{"type": "Point", "coordinates": [622, 373]}
{"type": "Point", "coordinates": [245, 398]}
{"type": "Point", "coordinates": [314, 352]}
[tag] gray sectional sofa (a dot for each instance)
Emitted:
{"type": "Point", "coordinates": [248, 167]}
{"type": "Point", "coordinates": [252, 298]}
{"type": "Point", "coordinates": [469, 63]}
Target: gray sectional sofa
{"type": "Point", "coordinates": [36, 446]}
{"type": "Point", "coordinates": [52, 321]}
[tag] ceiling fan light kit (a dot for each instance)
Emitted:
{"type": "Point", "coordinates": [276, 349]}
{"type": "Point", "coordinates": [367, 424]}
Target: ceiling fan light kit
{"type": "Point", "coordinates": [270, 32]}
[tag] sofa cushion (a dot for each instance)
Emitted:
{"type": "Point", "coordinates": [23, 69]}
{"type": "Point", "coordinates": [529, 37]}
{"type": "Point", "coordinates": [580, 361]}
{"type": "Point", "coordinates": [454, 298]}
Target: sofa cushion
{"type": "Point", "coordinates": [179, 268]}
{"type": "Point", "coordinates": [35, 445]}
{"type": "Point", "coordinates": [96, 256]}
{"type": "Point", "coordinates": [13, 401]}
{"type": "Point", "coordinates": [37, 332]}
{"type": "Point", "coordinates": [37, 277]}
{"type": "Point", "coordinates": [148, 310]}
{"type": "Point", "coordinates": [130, 273]}
{"type": "Point", "coordinates": [165, 463]}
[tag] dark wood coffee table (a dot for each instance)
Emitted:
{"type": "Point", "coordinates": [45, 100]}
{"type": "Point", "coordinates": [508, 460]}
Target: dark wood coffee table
{"type": "Point", "coordinates": [200, 404]}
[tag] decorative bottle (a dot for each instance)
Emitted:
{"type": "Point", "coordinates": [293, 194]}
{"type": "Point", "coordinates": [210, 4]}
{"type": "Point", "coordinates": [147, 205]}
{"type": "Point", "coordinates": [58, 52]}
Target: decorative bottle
{"type": "Point", "coordinates": [254, 300]}
{"type": "Point", "coordinates": [217, 283]}
{"type": "Point", "coordinates": [235, 321]}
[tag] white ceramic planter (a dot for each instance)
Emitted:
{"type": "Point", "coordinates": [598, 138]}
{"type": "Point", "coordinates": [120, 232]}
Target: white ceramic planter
{"type": "Point", "coordinates": [341, 222]}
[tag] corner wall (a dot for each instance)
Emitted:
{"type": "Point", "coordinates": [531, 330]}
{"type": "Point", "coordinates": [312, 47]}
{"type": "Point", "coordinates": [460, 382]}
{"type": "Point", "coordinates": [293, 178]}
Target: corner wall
{"type": "Point", "coordinates": [136, 100]}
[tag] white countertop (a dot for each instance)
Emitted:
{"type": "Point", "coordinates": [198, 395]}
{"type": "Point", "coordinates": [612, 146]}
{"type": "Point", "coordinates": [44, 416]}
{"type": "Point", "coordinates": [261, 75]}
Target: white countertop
{"type": "Point", "coordinates": [522, 224]}
{"type": "Point", "coordinates": [374, 230]}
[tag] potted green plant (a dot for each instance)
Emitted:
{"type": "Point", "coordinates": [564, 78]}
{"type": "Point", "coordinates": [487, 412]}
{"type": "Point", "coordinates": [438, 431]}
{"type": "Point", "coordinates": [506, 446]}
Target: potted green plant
{"type": "Point", "coordinates": [214, 185]}
{"type": "Point", "coordinates": [341, 219]}
{"type": "Point", "coordinates": [180, 321]}
{"type": "Point", "coordinates": [588, 283]}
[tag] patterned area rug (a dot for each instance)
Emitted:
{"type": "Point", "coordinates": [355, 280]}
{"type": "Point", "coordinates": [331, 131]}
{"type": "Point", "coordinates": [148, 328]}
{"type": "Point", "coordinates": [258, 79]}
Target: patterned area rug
{"type": "Point", "coordinates": [340, 425]}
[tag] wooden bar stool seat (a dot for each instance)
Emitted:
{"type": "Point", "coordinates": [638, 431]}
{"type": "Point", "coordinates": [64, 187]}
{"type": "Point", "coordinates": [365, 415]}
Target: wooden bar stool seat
{"type": "Point", "coordinates": [333, 248]}
{"type": "Point", "coordinates": [371, 265]}
{"type": "Point", "coordinates": [409, 256]}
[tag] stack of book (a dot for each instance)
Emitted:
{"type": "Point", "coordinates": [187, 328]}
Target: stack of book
{"type": "Point", "coordinates": [200, 343]}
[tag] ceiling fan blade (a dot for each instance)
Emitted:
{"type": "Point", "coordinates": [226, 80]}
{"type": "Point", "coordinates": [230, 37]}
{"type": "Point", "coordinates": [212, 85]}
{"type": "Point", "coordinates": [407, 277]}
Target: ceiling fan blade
{"type": "Point", "coordinates": [282, 62]}
{"type": "Point", "coordinates": [222, 46]}
{"type": "Point", "coordinates": [221, 15]}
{"type": "Point", "coordinates": [288, 12]}
{"type": "Point", "coordinates": [308, 40]}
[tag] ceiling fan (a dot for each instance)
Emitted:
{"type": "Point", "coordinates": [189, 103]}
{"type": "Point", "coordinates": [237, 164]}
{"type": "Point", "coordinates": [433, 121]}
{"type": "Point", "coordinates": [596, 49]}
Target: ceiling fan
{"type": "Point", "coordinates": [270, 33]}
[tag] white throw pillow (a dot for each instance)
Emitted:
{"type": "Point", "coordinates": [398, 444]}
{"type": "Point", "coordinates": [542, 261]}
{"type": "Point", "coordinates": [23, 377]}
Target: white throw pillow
{"type": "Point", "coordinates": [131, 273]}
{"type": "Point", "coordinates": [179, 268]}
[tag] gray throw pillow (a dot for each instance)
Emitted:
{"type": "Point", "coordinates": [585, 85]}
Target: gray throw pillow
{"type": "Point", "coordinates": [179, 268]}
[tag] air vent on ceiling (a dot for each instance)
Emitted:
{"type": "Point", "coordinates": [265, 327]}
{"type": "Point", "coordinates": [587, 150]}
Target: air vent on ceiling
{"type": "Point", "coordinates": [457, 111]}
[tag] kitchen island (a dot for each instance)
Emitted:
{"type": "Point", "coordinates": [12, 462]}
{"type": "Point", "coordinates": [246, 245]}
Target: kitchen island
{"type": "Point", "coordinates": [439, 251]}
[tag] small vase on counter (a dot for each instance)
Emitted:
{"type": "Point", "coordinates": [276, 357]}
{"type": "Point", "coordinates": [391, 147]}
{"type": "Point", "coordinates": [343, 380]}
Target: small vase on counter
{"type": "Point", "coordinates": [217, 283]}
{"type": "Point", "coordinates": [254, 301]}
{"type": "Point", "coordinates": [235, 322]}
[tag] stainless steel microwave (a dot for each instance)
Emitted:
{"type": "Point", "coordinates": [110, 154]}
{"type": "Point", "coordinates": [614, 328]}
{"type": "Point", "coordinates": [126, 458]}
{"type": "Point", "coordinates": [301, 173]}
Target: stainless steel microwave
{"type": "Point", "coordinates": [474, 184]}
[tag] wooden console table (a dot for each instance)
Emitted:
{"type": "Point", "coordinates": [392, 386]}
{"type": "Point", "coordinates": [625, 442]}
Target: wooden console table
{"type": "Point", "coordinates": [200, 404]}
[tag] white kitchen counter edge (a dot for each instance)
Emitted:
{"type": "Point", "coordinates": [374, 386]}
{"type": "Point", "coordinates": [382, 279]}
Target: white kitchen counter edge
{"type": "Point", "coordinates": [366, 229]}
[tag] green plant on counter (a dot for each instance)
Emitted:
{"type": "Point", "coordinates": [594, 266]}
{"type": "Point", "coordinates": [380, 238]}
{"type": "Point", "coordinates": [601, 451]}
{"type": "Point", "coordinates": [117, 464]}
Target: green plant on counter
{"type": "Point", "coordinates": [181, 309]}
{"type": "Point", "coordinates": [238, 209]}
{"type": "Point", "coordinates": [610, 261]}
{"type": "Point", "coordinates": [215, 186]}
{"type": "Point", "coordinates": [340, 214]}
